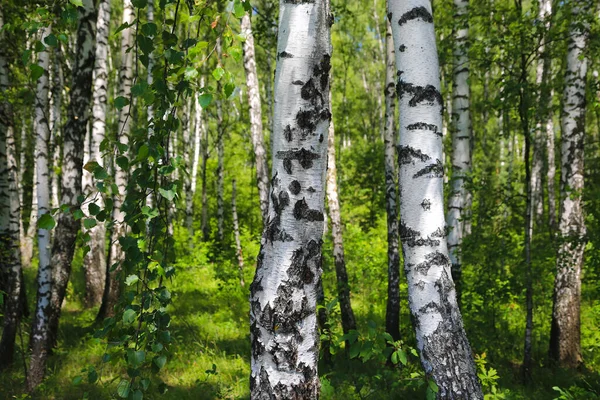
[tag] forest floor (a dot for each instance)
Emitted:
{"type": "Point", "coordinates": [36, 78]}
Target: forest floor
{"type": "Point", "coordinates": [211, 347]}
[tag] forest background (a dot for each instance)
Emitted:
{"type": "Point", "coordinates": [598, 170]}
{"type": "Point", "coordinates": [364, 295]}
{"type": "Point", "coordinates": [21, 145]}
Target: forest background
{"type": "Point", "coordinates": [209, 346]}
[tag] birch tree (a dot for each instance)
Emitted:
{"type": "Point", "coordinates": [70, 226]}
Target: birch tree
{"type": "Point", "coordinates": [565, 344]}
{"type": "Point", "coordinates": [256, 127]}
{"type": "Point", "coordinates": [119, 229]}
{"type": "Point", "coordinates": [441, 339]}
{"type": "Point", "coordinates": [46, 326]}
{"type": "Point", "coordinates": [459, 203]}
{"type": "Point", "coordinates": [95, 259]}
{"type": "Point", "coordinates": [283, 320]}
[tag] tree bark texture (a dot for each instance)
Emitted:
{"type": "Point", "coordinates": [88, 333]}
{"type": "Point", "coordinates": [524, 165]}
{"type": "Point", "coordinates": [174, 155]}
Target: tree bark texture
{"type": "Point", "coordinates": [11, 274]}
{"type": "Point", "coordinates": [55, 124]}
{"type": "Point", "coordinates": [343, 286]}
{"type": "Point", "coordinates": [445, 351]}
{"type": "Point", "coordinates": [220, 172]}
{"type": "Point", "coordinates": [459, 204]}
{"type": "Point", "coordinates": [565, 344]}
{"type": "Point", "coordinates": [116, 255]}
{"type": "Point", "coordinates": [283, 319]}
{"type": "Point", "coordinates": [95, 259]}
{"type": "Point", "coordinates": [392, 312]}
{"type": "Point", "coordinates": [236, 232]}
{"type": "Point", "coordinates": [63, 246]}
{"type": "Point", "coordinates": [256, 127]}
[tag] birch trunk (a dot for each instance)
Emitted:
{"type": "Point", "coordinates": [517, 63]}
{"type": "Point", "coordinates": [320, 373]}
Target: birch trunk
{"type": "Point", "coordinates": [236, 232]}
{"type": "Point", "coordinates": [459, 204]}
{"type": "Point", "coordinates": [39, 329]}
{"type": "Point", "coordinates": [63, 247]}
{"type": "Point", "coordinates": [343, 287]}
{"type": "Point", "coordinates": [95, 259]}
{"type": "Point", "coordinates": [392, 313]}
{"type": "Point", "coordinates": [55, 124]}
{"type": "Point", "coordinates": [205, 228]}
{"type": "Point", "coordinates": [565, 345]}
{"type": "Point", "coordinates": [256, 127]}
{"type": "Point", "coordinates": [10, 215]}
{"type": "Point", "coordinates": [283, 320]}
{"type": "Point", "coordinates": [445, 351]}
{"type": "Point", "coordinates": [198, 131]}
{"type": "Point", "coordinates": [119, 229]}
{"type": "Point", "coordinates": [188, 154]}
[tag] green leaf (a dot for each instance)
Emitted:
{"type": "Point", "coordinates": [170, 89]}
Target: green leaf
{"type": "Point", "coordinates": [157, 347]}
{"type": "Point", "coordinates": [89, 223]}
{"type": "Point", "coordinates": [122, 162]}
{"type": "Point", "coordinates": [93, 209]}
{"type": "Point", "coordinates": [136, 358]}
{"type": "Point", "coordinates": [35, 72]}
{"type": "Point", "coordinates": [355, 350]}
{"type": "Point", "coordinates": [92, 375]}
{"type": "Point", "coordinates": [160, 361]}
{"type": "Point", "coordinates": [51, 40]}
{"type": "Point", "coordinates": [190, 73]}
{"type": "Point", "coordinates": [218, 73]}
{"type": "Point", "coordinates": [76, 3]}
{"type": "Point", "coordinates": [77, 380]}
{"type": "Point", "coordinates": [123, 26]}
{"type": "Point", "coordinates": [167, 194]}
{"type": "Point", "coordinates": [100, 173]}
{"type": "Point", "coordinates": [123, 389]}
{"type": "Point", "coordinates": [238, 9]}
{"type": "Point", "coordinates": [433, 386]}
{"type": "Point", "coordinates": [395, 357]}
{"type": "Point", "coordinates": [78, 214]}
{"type": "Point", "coordinates": [137, 395]}
{"type": "Point", "coordinates": [143, 152]}
{"type": "Point", "coordinates": [139, 3]}
{"type": "Point", "coordinates": [129, 316]}
{"type": "Point", "coordinates": [39, 46]}
{"type": "Point", "coordinates": [228, 89]}
{"type": "Point", "coordinates": [131, 279]}
{"type": "Point", "coordinates": [149, 29]}
{"type": "Point", "coordinates": [90, 166]}
{"type": "Point", "coordinates": [402, 356]}
{"type": "Point", "coordinates": [46, 221]}
{"type": "Point", "coordinates": [205, 99]}
{"type": "Point", "coordinates": [121, 102]}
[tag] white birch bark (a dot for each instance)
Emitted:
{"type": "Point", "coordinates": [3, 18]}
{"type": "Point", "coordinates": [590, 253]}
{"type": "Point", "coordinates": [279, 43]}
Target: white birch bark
{"type": "Point", "coordinates": [565, 344]}
{"type": "Point", "coordinates": [445, 351]}
{"type": "Point", "coordinates": [95, 259]}
{"type": "Point", "coordinates": [236, 232]}
{"type": "Point", "coordinates": [198, 132]}
{"type": "Point", "coordinates": [392, 313]}
{"type": "Point", "coordinates": [188, 154]}
{"type": "Point", "coordinates": [459, 204]}
{"type": "Point", "coordinates": [55, 124]}
{"type": "Point", "coordinates": [220, 169]}
{"type": "Point", "coordinates": [283, 321]}
{"type": "Point", "coordinates": [256, 127]}
{"type": "Point", "coordinates": [116, 254]}
{"type": "Point", "coordinates": [63, 247]}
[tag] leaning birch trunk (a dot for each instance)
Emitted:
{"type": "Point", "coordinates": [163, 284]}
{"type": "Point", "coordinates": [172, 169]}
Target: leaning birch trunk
{"type": "Point", "coordinates": [343, 287]}
{"type": "Point", "coordinates": [116, 254]}
{"type": "Point", "coordinates": [39, 329]}
{"type": "Point", "coordinates": [236, 232]}
{"type": "Point", "coordinates": [63, 246]}
{"type": "Point", "coordinates": [459, 204]}
{"type": "Point", "coordinates": [565, 345]}
{"type": "Point", "coordinates": [283, 320]}
{"type": "Point", "coordinates": [392, 313]}
{"type": "Point", "coordinates": [10, 216]}
{"type": "Point", "coordinates": [256, 127]}
{"type": "Point", "coordinates": [445, 351]}
{"type": "Point", "coordinates": [95, 259]}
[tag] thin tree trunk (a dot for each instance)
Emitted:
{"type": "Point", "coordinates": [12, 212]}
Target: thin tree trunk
{"type": "Point", "coordinates": [565, 344]}
{"type": "Point", "coordinates": [95, 259]}
{"type": "Point", "coordinates": [343, 287]}
{"type": "Point", "coordinates": [55, 124]}
{"type": "Point", "coordinates": [459, 204]}
{"type": "Point", "coordinates": [283, 318]}
{"type": "Point", "coordinates": [236, 232]}
{"type": "Point", "coordinates": [205, 228]}
{"type": "Point", "coordinates": [187, 123]}
{"type": "Point", "coordinates": [445, 351]}
{"type": "Point", "coordinates": [116, 255]}
{"type": "Point", "coordinates": [256, 127]}
{"type": "Point", "coordinates": [198, 131]}
{"type": "Point", "coordinates": [10, 214]}
{"type": "Point", "coordinates": [551, 172]}
{"type": "Point", "coordinates": [45, 330]}
{"type": "Point", "coordinates": [392, 313]}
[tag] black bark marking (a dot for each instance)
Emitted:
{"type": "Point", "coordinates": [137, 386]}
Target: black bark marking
{"type": "Point", "coordinates": [273, 231]}
{"type": "Point", "coordinates": [416, 13]}
{"type": "Point", "coordinates": [402, 48]}
{"type": "Point", "coordinates": [304, 157]}
{"type": "Point", "coordinates": [424, 126]}
{"type": "Point", "coordinates": [406, 154]}
{"type": "Point", "coordinates": [302, 211]}
{"type": "Point", "coordinates": [285, 54]}
{"type": "Point", "coordinates": [407, 234]}
{"type": "Point", "coordinates": [306, 120]}
{"type": "Point", "coordinates": [435, 170]}
{"type": "Point", "coordinates": [311, 189]}
{"type": "Point", "coordinates": [439, 232]}
{"type": "Point", "coordinates": [299, 1]}
{"type": "Point", "coordinates": [295, 187]}
{"type": "Point", "coordinates": [309, 90]}
{"type": "Point", "coordinates": [426, 204]}
{"type": "Point", "coordinates": [287, 165]}
{"type": "Point", "coordinates": [432, 259]}
{"type": "Point", "coordinates": [300, 83]}
{"type": "Point", "coordinates": [321, 138]}
{"type": "Point", "coordinates": [287, 133]}
{"type": "Point", "coordinates": [325, 115]}
{"type": "Point", "coordinates": [428, 94]}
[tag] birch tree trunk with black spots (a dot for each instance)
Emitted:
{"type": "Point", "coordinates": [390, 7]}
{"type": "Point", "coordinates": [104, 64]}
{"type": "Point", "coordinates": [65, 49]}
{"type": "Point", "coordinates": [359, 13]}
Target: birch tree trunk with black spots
{"type": "Point", "coordinates": [565, 343]}
{"type": "Point", "coordinates": [63, 245]}
{"type": "Point", "coordinates": [343, 286]}
{"type": "Point", "coordinates": [10, 215]}
{"type": "Point", "coordinates": [198, 132]}
{"type": "Point", "coordinates": [116, 254]}
{"type": "Point", "coordinates": [204, 223]}
{"type": "Point", "coordinates": [445, 351]}
{"type": "Point", "coordinates": [283, 319]}
{"type": "Point", "coordinates": [256, 127]}
{"type": "Point", "coordinates": [236, 232]}
{"type": "Point", "coordinates": [392, 313]}
{"type": "Point", "coordinates": [220, 172]}
{"type": "Point", "coordinates": [187, 124]}
{"type": "Point", "coordinates": [55, 124]}
{"type": "Point", "coordinates": [40, 326]}
{"type": "Point", "coordinates": [95, 259]}
{"type": "Point", "coordinates": [459, 204]}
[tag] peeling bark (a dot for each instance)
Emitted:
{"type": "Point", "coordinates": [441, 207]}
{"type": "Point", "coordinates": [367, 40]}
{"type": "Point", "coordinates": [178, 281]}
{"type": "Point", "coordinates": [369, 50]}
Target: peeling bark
{"type": "Point", "coordinates": [283, 318]}
{"type": "Point", "coordinates": [445, 351]}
